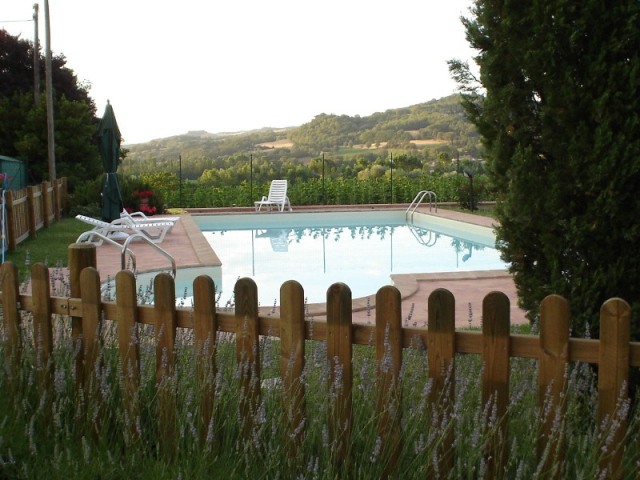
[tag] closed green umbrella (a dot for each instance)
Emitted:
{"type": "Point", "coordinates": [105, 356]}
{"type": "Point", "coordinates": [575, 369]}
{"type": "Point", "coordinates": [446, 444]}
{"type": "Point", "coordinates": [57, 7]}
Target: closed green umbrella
{"type": "Point", "coordinates": [109, 145]}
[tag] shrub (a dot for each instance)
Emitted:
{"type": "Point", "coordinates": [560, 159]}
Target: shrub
{"type": "Point", "coordinates": [133, 189]}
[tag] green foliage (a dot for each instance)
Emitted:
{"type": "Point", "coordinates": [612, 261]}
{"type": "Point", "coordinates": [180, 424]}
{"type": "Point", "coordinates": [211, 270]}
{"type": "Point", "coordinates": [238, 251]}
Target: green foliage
{"type": "Point", "coordinates": [240, 179]}
{"type": "Point", "coordinates": [67, 444]}
{"type": "Point", "coordinates": [23, 130]}
{"type": "Point", "coordinates": [341, 137]}
{"type": "Point", "coordinates": [325, 131]}
{"type": "Point", "coordinates": [133, 188]}
{"type": "Point", "coordinates": [559, 122]}
{"type": "Point", "coordinates": [223, 171]}
{"type": "Point", "coordinates": [314, 191]}
{"type": "Point", "coordinates": [86, 198]}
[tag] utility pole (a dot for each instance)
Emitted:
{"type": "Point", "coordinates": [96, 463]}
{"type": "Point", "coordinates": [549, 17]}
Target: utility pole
{"type": "Point", "coordinates": [49, 90]}
{"type": "Point", "coordinates": [391, 168]}
{"type": "Point", "coordinates": [180, 167]}
{"type": "Point", "coordinates": [324, 198]}
{"type": "Point", "coordinates": [36, 57]}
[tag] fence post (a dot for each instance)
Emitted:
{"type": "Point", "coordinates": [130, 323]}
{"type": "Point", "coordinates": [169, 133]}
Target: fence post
{"type": "Point", "coordinates": [495, 380]}
{"type": "Point", "coordinates": [31, 209]}
{"type": "Point", "coordinates": [62, 185]}
{"type": "Point", "coordinates": [10, 222]}
{"type": "Point", "coordinates": [441, 359]}
{"type": "Point", "coordinates": [56, 199]}
{"type": "Point", "coordinates": [12, 325]}
{"type": "Point", "coordinates": [81, 256]}
{"type": "Point", "coordinates": [247, 353]}
{"type": "Point", "coordinates": [91, 346]}
{"type": "Point", "coordinates": [42, 330]}
{"type": "Point", "coordinates": [129, 350]}
{"type": "Point", "coordinates": [552, 383]}
{"type": "Point", "coordinates": [613, 384]}
{"type": "Point", "coordinates": [292, 347]}
{"type": "Point", "coordinates": [388, 365]}
{"type": "Point", "coordinates": [205, 325]}
{"type": "Point", "coordinates": [164, 299]}
{"type": "Point", "coordinates": [46, 204]}
{"type": "Point", "coordinates": [339, 359]}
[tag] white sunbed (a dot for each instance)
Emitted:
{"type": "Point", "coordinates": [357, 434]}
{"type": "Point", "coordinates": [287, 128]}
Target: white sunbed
{"type": "Point", "coordinates": [141, 217]}
{"type": "Point", "coordinates": [277, 197]}
{"type": "Point", "coordinates": [122, 228]}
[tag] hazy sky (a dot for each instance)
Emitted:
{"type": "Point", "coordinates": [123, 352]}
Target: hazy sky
{"type": "Point", "coordinates": [230, 65]}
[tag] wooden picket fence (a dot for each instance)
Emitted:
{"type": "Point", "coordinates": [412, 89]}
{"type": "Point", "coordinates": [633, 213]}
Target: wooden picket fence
{"type": "Point", "coordinates": [32, 208]}
{"type": "Point", "coordinates": [553, 349]}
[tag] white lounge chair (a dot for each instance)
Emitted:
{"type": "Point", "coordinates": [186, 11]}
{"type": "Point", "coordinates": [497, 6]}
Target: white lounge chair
{"type": "Point", "coordinates": [122, 228]}
{"type": "Point", "coordinates": [141, 217]}
{"type": "Point", "coordinates": [277, 197]}
{"type": "Point", "coordinates": [279, 238]}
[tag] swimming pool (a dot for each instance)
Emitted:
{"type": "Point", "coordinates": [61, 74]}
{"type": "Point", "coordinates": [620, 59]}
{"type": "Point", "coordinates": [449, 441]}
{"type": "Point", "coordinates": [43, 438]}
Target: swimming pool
{"type": "Point", "coordinates": [361, 249]}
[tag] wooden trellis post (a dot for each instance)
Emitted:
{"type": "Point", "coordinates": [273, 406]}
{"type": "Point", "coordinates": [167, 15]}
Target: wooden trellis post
{"type": "Point", "coordinates": [247, 353]}
{"type": "Point", "coordinates": [292, 349]}
{"type": "Point", "coordinates": [441, 350]}
{"type": "Point", "coordinates": [552, 383]}
{"type": "Point", "coordinates": [339, 359]}
{"type": "Point", "coordinates": [129, 350]}
{"type": "Point", "coordinates": [205, 325]}
{"type": "Point", "coordinates": [613, 384]}
{"type": "Point", "coordinates": [495, 380]}
{"type": "Point", "coordinates": [388, 366]}
{"type": "Point", "coordinates": [164, 299]}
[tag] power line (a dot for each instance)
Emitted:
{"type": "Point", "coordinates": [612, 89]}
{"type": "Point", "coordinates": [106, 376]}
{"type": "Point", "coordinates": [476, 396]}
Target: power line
{"type": "Point", "coordinates": [16, 21]}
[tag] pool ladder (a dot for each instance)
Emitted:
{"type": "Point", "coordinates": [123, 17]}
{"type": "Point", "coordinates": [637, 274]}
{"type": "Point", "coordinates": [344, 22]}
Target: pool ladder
{"type": "Point", "coordinates": [419, 198]}
{"type": "Point", "coordinates": [431, 239]}
{"type": "Point", "coordinates": [125, 250]}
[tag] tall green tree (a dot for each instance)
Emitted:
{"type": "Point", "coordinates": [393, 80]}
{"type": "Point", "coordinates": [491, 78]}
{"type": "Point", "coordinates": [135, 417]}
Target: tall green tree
{"type": "Point", "coordinates": [557, 105]}
{"type": "Point", "coordinates": [23, 125]}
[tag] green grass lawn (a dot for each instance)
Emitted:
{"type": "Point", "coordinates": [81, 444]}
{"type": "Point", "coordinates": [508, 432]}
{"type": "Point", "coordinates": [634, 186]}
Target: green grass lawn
{"type": "Point", "coordinates": [50, 246]}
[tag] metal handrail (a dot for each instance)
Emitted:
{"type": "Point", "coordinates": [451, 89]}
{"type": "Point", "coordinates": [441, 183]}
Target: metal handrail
{"type": "Point", "coordinates": [131, 237]}
{"type": "Point", "coordinates": [433, 200]}
{"type": "Point", "coordinates": [126, 250]}
{"type": "Point", "coordinates": [105, 238]}
{"type": "Point", "coordinates": [432, 238]}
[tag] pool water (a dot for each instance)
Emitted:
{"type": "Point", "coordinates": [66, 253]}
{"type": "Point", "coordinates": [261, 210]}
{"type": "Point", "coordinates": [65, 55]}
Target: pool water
{"type": "Point", "coordinates": [361, 249]}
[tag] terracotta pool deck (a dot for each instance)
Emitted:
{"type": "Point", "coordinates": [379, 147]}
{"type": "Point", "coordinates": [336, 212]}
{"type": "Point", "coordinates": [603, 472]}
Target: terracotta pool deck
{"type": "Point", "coordinates": [189, 248]}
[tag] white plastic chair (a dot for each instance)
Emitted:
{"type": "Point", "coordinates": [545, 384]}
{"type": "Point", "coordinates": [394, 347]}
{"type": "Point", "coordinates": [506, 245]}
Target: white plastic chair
{"type": "Point", "coordinates": [279, 238]}
{"type": "Point", "coordinates": [277, 197]}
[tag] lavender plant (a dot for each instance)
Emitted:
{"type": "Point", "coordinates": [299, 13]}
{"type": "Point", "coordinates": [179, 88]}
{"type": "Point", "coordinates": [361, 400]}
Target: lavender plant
{"type": "Point", "coordinates": [67, 435]}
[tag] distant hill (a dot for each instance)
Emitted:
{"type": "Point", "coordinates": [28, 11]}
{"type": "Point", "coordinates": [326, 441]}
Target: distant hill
{"type": "Point", "coordinates": [436, 124]}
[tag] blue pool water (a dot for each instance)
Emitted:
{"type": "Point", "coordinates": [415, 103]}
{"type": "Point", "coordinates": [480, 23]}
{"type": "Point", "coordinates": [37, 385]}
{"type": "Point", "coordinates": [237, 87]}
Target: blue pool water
{"type": "Point", "coordinates": [361, 249]}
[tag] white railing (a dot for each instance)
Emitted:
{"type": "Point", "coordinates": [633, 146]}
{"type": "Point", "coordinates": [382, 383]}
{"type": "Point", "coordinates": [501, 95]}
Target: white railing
{"type": "Point", "coordinates": [86, 236]}
{"type": "Point", "coordinates": [417, 201]}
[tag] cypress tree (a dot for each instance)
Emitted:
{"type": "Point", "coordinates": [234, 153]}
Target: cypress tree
{"type": "Point", "coordinates": [557, 105]}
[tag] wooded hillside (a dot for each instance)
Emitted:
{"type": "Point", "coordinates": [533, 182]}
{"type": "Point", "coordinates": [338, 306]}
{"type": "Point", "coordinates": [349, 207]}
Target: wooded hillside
{"type": "Point", "coordinates": [431, 129]}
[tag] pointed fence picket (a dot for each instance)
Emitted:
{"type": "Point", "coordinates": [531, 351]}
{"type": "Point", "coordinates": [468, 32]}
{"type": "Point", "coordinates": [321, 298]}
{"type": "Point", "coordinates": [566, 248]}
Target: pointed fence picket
{"type": "Point", "coordinates": [614, 354]}
{"type": "Point", "coordinates": [32, 208]}
{"type": "Point", "coordinates": [389, 361]}
{"type": "Point", "coordinates": [441, 353]}
{"type": "Point", "coordinates": [552, 381]}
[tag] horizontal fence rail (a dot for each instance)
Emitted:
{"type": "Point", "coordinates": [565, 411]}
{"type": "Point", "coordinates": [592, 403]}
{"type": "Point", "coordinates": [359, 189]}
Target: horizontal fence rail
{"type": "Point", "coordinates": [553, 349]}
{"type": "Point", "coordinates": [32, 208]}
